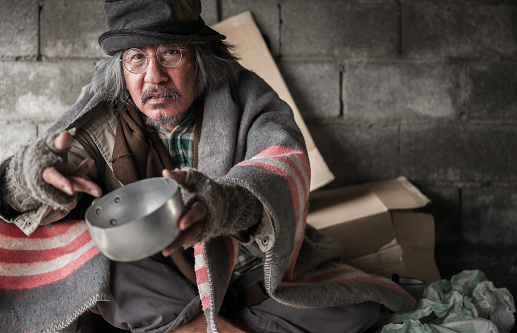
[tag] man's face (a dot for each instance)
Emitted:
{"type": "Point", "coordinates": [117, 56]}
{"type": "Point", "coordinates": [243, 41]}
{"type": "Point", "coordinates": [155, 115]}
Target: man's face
{"type": "Point", "coordinates": [146, 88]}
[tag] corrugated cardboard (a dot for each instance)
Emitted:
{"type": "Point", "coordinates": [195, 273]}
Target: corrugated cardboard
{"type": "Point", "coordinates": [379, 232]}
{"type": "Point", "coordinates": [241, 31]}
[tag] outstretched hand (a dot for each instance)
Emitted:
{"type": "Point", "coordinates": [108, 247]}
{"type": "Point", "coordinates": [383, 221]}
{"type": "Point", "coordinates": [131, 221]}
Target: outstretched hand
{"type": "Point", "coordinates": [77, 181]}
{"type": "Point", "coordinates": [191, 222]}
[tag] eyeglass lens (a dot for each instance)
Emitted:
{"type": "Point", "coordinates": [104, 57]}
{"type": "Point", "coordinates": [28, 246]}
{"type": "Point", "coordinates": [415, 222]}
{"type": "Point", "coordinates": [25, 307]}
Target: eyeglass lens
{"type": "Point", "coordinates": [135, 60]}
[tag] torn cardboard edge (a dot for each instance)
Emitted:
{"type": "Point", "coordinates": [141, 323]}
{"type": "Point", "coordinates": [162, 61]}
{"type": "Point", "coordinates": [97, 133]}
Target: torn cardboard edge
{"type": "Point", "coordinates": [241, 31]}
{"type": "Point", "coordinates": [377, 228]}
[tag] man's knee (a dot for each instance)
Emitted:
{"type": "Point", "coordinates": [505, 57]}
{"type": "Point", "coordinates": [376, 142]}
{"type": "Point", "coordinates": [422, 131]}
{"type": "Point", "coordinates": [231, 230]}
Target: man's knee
{"type": "Point", "coordinates": [271, 316]}
{"type": "Point", "coordinates": [149, 293]}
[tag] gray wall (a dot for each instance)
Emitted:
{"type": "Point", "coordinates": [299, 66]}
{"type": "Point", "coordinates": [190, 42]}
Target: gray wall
{"type": "Point", "coordinates": [424, 89]}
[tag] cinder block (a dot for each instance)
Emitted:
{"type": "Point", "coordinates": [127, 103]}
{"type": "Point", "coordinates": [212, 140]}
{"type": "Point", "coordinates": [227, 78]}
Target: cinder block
{"type": "Point", "coordinates": [42, 127]}
{"type": "Point", "coordinates": [471, 153]}
{"type": "Point", "coordinates": [71, 29]}
{"type": "Point", "coordinates": [357, 154]}
{"type": "Point", "coordinates": [489, 215]}
{"type": "Point", "coordinates": [314, 87]}
{"type": "Point", "coordinates": [266, 14]}
{"type": "Point", "coordinates": [40, 91]}
{"type": "Point", "coordinates": [380, 91]}
{"type": "Point", "coordinates": [19, 28]}
{"type": "Point", "coordinates": [491, 93]}
{"type": "Point", "coordinates": [499, 263]}
{"type": "Point", "coordinates": [336, 28]}
{"type": "Point", "coordinates": [14, 136]}
{"type": "Point", "coordinates": [445, 208]}
{"type": "Point", "coordinates": [434, 29]}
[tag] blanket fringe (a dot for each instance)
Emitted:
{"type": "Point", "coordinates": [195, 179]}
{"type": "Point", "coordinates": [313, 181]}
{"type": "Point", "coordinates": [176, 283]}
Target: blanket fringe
{"type": "Point", "coordinates": [88, 305]}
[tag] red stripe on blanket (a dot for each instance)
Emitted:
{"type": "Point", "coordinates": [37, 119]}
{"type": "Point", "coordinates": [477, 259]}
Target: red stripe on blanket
{"type": "Point", "coordinates": [34, 256]}
{"type": "Point", "coordinates": [288, 169]}
{"type": "Point", "coordinates": [277, 151]}
{"type": "Point", "coordinates": [201, 275]}
{"type": "Point", "coordinates": [198, 249]}
{"type": "Point", "coordinates": [54, 230]}
{"type": "Point", "coordinates": [202, 278]}
{"type": "Point", "coordinates": [296, 202]}
{"type": "Point", "coordinates": [27, 282]}
{"type": "Point", "coordinates": [205, 302]}
{"type": "Point", "coordinates": [290, 270]}
{"type": "Point", "coordinates": [287, 157]}
{"type": "Point", "coordinates": [290, 181]}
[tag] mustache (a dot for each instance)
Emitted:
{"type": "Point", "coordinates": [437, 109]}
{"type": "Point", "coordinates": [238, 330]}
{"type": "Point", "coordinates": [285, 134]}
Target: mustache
{"type": "Point", "coordinates": [160, 92]}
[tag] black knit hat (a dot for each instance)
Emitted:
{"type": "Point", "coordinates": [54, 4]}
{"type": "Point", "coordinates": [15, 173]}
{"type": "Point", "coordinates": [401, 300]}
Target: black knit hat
{"type": "Point", "coordinates": [133, 23]}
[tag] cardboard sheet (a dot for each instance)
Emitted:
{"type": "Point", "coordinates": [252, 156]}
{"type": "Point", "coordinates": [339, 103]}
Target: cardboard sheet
{"type": "Point", "coordinates": [377, 229]}
{"type": "Point", "coordinates": [241, 31]}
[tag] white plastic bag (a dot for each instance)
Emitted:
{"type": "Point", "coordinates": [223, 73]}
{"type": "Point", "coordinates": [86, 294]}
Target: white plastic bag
{"type": "Point", "coordinates": [468, 303]}
{"type": "Point", "coordinates": [495, 304]}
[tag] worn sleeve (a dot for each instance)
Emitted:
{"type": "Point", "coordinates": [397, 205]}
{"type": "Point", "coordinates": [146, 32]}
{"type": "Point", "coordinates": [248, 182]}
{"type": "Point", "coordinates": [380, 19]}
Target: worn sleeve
{"type": "Point", "coordinates": [271, 162]}
{"type": "Point", "coordinates": [231, 209]}
{"type": "Point", "coordinates": [26, 200]}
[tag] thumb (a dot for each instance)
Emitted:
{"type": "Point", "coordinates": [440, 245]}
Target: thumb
{"type": "Point", "coordinates": [63, 140]}
{"type": "Point", "coordinates": [177, 175]}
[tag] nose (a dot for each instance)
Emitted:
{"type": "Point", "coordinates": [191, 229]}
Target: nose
{"type": "Point", "coordinates": [154, 73]}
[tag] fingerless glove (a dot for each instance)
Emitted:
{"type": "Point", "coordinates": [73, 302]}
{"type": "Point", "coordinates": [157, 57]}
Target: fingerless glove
{"type": "Point", "coordinates": [231, 208]}
{"type": "Point", "coordinates": [22, 185]}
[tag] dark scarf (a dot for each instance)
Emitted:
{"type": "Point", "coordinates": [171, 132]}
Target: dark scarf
{"type": "Point", "coordinates": [138, 154]}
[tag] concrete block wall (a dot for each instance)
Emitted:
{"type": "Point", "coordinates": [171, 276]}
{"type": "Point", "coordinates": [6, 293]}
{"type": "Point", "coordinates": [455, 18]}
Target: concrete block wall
{"type": "Point", "coordinates": [424, 89]}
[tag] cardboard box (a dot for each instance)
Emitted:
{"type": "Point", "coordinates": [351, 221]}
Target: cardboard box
{"type": "Point", "coordinates": [241, 31]}
{"type": "Point", "coordinates": [379, 231]}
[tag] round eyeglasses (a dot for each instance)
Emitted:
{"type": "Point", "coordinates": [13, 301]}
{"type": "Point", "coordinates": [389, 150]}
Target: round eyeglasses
{"type": "Point", "coordinates": [169, 55]}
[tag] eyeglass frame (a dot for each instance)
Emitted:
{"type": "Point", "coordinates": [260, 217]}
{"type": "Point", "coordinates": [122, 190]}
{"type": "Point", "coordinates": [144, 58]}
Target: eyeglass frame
{"type": "Point", "coordinates": [152, 55]}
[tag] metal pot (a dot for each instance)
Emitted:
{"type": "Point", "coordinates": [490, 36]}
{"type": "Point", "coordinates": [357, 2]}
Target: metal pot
{"type": "Point", "coordinates": [136, 220]}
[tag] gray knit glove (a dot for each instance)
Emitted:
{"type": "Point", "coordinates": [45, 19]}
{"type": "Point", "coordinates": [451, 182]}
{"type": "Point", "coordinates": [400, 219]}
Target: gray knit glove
{"type": "Point", "coordinates": [22, 186]}
{"type": "Point", "coordinates": [231, 208]}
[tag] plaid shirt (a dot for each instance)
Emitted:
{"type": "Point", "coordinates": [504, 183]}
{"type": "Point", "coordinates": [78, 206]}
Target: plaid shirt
{"type": "Point", "coordinates": [180, 143]}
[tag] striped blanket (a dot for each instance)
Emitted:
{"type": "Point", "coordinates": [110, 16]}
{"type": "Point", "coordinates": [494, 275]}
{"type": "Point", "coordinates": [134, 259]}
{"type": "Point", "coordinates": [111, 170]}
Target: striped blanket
{"type": "Point", "coordinates": [46, 280]}
{"type": "Point", "coordinates": [248, 138]}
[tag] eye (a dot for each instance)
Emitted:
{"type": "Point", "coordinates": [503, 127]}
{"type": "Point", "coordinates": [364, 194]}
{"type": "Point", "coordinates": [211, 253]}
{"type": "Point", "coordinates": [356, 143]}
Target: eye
{"type": "Point", "coordinates": [137, 57]}
{"type": "Point", "coordinates": [170, 53]}
{"type": "Point", "coordinates": [134, 55]}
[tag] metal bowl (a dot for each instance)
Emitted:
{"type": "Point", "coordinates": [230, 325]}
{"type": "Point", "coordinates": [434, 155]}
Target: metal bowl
{"type": "Point", "coordinates": [413, 286]}
{"type": "Point", "coordinates": [136, 220]}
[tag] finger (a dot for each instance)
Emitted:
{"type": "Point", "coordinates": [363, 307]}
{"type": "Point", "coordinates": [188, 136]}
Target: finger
{"type": "Point", "coordinates": [186, 236]}
{"type": "Point", "coordinates": [80, 184]}
{"type": "Point", "coordinates": [177, 175]}
{"type": "Point", "coordinates": [63, 140]}
{"type": "Point", "coordinates": [196, 213]}
{"type": "Point", "coordinates": [53, 177]}
{"type": "Point", "coordinates": [83, 168]}
{"type": "Point", "coordinates": [70, 185]}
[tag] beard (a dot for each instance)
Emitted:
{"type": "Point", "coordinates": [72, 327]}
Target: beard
{"type": "Point", "coordinates": [168, 94]}
{"type": "Point", "coordinates": [166, 121]}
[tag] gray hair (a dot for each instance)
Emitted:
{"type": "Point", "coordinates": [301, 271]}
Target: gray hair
{"type": "Point", "coordinates": [215, 65]}
{"type": "Point", "coordinates": [108, 80]}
